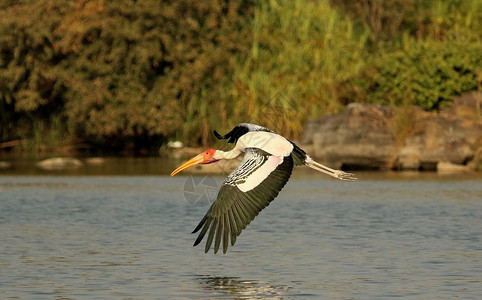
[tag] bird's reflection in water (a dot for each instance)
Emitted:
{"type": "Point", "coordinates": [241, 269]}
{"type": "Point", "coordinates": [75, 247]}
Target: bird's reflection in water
{"type": "Point", "coordinates": [241, 289]}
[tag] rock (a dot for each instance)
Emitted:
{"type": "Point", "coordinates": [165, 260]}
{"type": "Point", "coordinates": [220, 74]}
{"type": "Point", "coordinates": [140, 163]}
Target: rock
{"type": "Point", "coordinates": [5, 165]}
{"type": "Point", "coordinates": [377, 137]}
{"type": "Point", "coordinates": [356, 138]}
{"type": "Point", "coordinates": [95, 161]}
{"type": "Point", "coordinates": [409, 158]}
{"type": "Point", "coordinates": [447, 167]}
{"type": "Point", "coordinates": [175, 145]}
{"type": "Point", "coordinates": [59, 163]}
{"type": "Point", "coordinates": [445, 138]}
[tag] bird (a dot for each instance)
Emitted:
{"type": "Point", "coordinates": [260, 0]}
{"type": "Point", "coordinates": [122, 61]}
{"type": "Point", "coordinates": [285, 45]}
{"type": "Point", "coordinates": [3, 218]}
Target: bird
{"type": "Point", "coordinates": [268, 161]}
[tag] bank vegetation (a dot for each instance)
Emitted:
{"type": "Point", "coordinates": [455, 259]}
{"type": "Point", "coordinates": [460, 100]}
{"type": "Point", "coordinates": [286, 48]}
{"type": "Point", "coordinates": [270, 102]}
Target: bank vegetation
{"type": "Point", "coordinates": [132, 75]}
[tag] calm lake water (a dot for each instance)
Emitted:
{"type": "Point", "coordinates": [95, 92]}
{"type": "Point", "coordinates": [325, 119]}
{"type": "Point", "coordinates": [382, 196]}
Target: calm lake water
{"type": "Point", "coordinates": [128, 237]}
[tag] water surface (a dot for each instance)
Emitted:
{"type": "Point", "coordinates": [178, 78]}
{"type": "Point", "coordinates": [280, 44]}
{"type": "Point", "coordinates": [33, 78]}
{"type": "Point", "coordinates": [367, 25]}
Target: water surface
{"type": "Point", "coordinates": [128, 237]}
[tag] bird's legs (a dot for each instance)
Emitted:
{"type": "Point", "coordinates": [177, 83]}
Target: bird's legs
{"type": "Point", "coordinates": [329, 171]}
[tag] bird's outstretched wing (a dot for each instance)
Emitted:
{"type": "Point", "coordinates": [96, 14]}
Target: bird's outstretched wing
{"type": "Point", "coordinates": [240, 130]}
{"type": "Point", "coordinates": [245, 192]}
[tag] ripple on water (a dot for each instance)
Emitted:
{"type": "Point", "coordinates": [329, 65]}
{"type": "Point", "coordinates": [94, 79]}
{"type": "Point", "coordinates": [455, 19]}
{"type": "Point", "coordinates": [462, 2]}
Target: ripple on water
{"type": "Point", "coordinates": [129, 237]}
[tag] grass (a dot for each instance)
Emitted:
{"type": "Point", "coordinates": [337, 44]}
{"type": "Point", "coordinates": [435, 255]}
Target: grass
{"type": "Point", "coordinates": [300, 50]}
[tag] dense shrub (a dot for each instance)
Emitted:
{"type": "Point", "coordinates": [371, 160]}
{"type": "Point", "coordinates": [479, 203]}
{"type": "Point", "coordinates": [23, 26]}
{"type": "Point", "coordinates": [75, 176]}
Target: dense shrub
{"type": "Point", "coordinates": [132, 74]}
{"type": "Point", "coordinates": [115, 72]}
{"type": "Point", "coordinates": [425, 74]}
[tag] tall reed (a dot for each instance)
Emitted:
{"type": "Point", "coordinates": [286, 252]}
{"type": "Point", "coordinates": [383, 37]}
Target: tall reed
{"type": "Point", "coordinates": [301, 49]}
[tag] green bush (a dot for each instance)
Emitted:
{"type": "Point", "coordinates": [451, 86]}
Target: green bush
{"type": "Point", "coordinates": [132, 74]}
{"type": "Point", "coordinates": [426, 74]}
{"type": "Point", "coordinates": [115, 72]}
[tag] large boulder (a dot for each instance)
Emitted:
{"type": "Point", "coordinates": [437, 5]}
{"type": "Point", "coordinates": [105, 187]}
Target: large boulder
{"type": "Point", "coordinates": [356, 138]}
{"type": "Point", "coordinates": [440, 138]}
{"type": "Point", "coordinates": [377, 137]}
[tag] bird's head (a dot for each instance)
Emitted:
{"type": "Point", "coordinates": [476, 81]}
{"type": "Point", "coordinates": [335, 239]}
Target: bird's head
{"type": "Point", "coordinates": [203, 158]}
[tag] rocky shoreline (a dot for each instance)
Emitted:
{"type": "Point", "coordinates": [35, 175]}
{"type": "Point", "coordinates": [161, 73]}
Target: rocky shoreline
{"type": "Point", "coordinates": [371, 137]}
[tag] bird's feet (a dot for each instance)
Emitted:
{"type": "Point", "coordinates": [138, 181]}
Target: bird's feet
{"type": "Point", "coordinates": [329, 171]}
{"type": "Point", "coordinates": [344, 176]}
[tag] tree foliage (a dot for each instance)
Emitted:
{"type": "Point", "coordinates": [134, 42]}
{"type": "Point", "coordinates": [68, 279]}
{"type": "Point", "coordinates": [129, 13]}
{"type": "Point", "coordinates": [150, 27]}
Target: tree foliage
{"type": "Point", "coordinates": [132, 74]}
{"type": "Point", "coordinates": [428, 63]}
{"type": "Point", "coordinates": [427, 74]}
{"type": "Point", "coordinates": [114, 71]}
{"type": "Point", "coordinates": [30, 93]}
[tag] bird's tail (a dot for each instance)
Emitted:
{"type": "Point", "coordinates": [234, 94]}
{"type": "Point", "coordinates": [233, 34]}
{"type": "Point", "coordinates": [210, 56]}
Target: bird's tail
{"type": "Point", "coordinates": [309, 162]}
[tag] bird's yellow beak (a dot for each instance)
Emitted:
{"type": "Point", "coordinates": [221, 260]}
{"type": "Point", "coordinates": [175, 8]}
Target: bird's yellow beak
{"type": "Point", "coordinates": [198, 159]}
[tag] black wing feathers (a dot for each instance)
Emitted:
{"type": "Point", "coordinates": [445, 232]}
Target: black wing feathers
{"type": "Point", "coordinates": [240, 130]}
{"type": "Point", "coordinates": [298, 154]}
{"type": "Point", "coordinates": [233, 135]}
{"type": "Point", "coordinates": [233, 209]}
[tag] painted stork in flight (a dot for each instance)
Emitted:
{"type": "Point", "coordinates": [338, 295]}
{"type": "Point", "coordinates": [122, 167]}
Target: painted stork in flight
{"type": "Point", "coordinates": [266, 167]}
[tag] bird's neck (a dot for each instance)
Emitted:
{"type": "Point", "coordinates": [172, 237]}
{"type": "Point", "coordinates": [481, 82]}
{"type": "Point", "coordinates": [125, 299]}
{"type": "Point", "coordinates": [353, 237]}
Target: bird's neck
{"type": "Point", "coordinates": [226, 154]}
